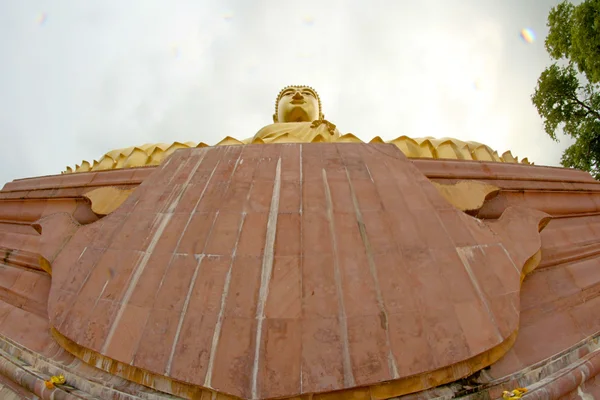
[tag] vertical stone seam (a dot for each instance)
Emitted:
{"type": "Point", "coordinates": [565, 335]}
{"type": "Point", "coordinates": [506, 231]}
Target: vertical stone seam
{"type": "Point", "coordinates": [347, 364]}
{"type": "Point", "coordinates": [225, 294]}
{"type": "Point", "coordinates": [267, 270]}
{"type": "Point", "coordinates": [179, 167]}
{"type": "Point", "coordinates": [186, 303]}
{"type": "Point", "coordinates": [416, 174]}
{"type": "Point", "coordinates": [301, 263]}
{"type": "Point", "coordinates": [511, 260]}
{"type": "Point", "coordinates": [370, 175]}
{"type": "Point", "coordinates": [70, 306]}
{"type": "Point", "coordinates": [166, 218]}
{"type": "Point", "coordinates": [373, 270]}
{"type": "Point", "coordinates": [191, 214]}
{"type": "Point", "coordinates": [461, 251]}
{"type": "Point", "coordinates": [386, 210]}
{"type": "Point", "coordinates": [201, 256]}
{"type": "Point", "coordinates": [196, 255]}
{"type": "Point", "coordinates": [219, 324]}
{"type": "Point", "coordinates": [463, 258]}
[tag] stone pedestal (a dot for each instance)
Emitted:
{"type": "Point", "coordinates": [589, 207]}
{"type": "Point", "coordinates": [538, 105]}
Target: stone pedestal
{"type": "Point", "coordinates": [291, 269]}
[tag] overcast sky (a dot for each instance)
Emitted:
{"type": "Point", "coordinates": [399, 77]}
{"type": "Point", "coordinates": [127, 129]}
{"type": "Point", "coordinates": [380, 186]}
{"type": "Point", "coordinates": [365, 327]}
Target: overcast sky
{"type": "Point", "coordinates": [80, 78]}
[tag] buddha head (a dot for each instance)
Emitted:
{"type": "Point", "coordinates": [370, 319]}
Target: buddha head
{"type": "Point", "coordinates": [297, 104]}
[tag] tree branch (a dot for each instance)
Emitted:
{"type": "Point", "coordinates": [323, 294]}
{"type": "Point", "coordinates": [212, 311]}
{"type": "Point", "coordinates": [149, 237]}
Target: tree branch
{"type": "Point", "coordinates": [588, 108]}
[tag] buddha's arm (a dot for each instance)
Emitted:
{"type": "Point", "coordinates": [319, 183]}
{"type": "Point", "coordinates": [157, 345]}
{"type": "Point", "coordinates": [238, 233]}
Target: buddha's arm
{"type": "Point", "coordinates": [263, 132]}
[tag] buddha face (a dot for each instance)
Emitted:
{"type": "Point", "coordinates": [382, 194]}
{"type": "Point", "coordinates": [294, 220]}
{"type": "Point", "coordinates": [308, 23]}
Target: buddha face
{"type": "Point", "coordinates": [297, 104]}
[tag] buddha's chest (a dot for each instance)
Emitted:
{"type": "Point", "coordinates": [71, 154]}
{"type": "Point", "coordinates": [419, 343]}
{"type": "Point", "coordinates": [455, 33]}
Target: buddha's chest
{"type": "Point", "coordinates": [306, 132]}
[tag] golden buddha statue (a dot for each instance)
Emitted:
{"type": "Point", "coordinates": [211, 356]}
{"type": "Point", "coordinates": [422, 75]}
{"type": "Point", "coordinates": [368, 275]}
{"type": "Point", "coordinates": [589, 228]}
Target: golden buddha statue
{"type": "Point", "coordinates": [299, 118]}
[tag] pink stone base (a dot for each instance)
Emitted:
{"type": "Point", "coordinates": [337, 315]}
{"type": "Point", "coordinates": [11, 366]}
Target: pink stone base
{"type": "Point", "coordinates": [559, 304]}
{"type": "Point", "coordinates": [291, 269]}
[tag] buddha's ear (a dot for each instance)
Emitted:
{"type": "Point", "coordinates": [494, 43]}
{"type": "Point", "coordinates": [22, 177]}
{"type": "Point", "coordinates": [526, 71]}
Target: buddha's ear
{"type": "Point", "coordinates": [321, 116]}
{"type": "Point", "coordinates": [275, 118]}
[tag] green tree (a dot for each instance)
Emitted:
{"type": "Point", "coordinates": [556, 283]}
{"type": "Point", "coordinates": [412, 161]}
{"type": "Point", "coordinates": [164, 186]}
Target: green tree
{"type": "Point", "coordinates": [567, 95]}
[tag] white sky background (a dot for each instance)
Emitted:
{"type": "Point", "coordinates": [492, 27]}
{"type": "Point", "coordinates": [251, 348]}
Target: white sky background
{"type": "Point", "coordinates": [95, 76]}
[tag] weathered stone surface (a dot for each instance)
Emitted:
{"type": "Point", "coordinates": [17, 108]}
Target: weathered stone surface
{"type": "Point", "coordinates": [272, 271]}
{"type": "Point", "coordinates": [559, 300]}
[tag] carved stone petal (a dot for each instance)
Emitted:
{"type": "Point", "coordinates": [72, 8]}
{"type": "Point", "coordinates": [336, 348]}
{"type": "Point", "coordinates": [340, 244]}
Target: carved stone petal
{"type": "Point", "coordinates": [288, 269]}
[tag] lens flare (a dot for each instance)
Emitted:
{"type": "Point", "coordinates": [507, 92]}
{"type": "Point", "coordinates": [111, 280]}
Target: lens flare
{"type": "Point", "coordinates": [528, 35]}
{"type": "Point", "coordinates": [308, 20]}
{"type": "Point", "coordinates": [41, 19]}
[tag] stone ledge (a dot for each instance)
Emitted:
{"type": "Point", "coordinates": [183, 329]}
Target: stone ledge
{"type": "Point", "coordinates": [29, 370]}
{"type": "Point", "coordinates": [551, 378]}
